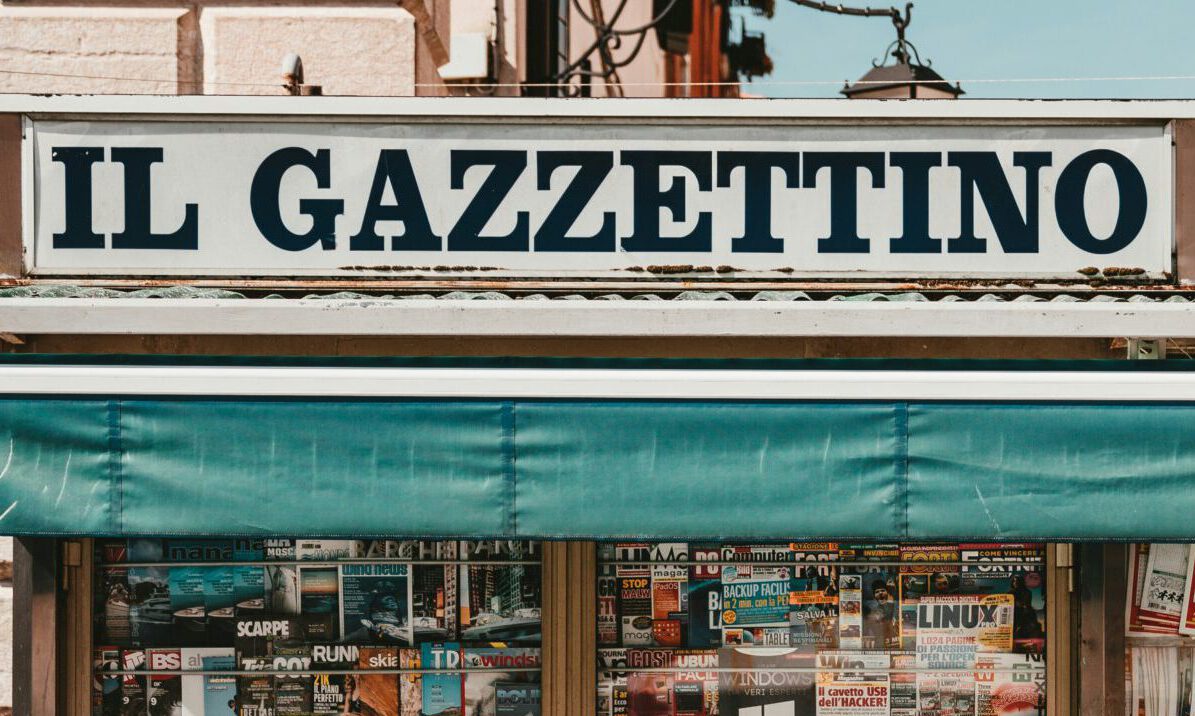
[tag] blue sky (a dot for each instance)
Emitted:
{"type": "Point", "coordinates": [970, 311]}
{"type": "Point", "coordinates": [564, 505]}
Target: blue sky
{"type": "Point", "coordinates": [993, 39]}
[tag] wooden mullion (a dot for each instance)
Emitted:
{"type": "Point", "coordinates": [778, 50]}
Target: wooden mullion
{"type": "Point", "coordinates": [570, 629]}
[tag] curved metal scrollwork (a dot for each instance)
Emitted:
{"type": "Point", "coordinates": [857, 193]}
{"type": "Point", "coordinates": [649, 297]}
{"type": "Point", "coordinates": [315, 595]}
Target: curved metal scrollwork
{"type": "Point", "coordinates": [611, 49]}
{"type": "Point", "coordinates": [608, 41]}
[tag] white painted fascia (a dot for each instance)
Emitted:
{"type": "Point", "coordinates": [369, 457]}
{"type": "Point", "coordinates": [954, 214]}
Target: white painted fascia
{"type": "Point", "coordinates": [597, 384]}
{"type": "Point", "coordinates": [447, 317]}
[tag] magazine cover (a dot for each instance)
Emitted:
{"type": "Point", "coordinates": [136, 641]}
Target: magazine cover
{"type": "Point", "coordinates": [410, 686]}
{"type": "Point", "coordinates": [690, 686]}
{"type": "Point", "coordinates": [952, 630]}
{"type": "Point", "coordinates": [255, 693]}
{"type": "Point", "coordinates": [1136, 622]}
{"type": "Point", "coordinates": [517, 699]}
{"type": "Point", "coordinates": [501, 602]}
{"type": "Point", "coordinates": [881, 609]}
{"type": "Point", "coordinates": [779, 679]}
{"type": "Point", "coordinates": [619, 701]}
{"type": "Point", "coordinates": [280, 550]}
{"type": "Point", "coordinates": [219, 605]}
{"type": "Point", "coordinates": [150, 615]}
{"type": "Point", "coordinates": [650, 694]}
{"type": "Point", "coordinates": [319, 593]}
{"type": "Point", "coordinates": [105, 687]}
{"type": "Point", "coordinates": [373, 604]}
{"type": "Point", "coordinates": [903, 685]}
{"type": "Point", "coordinates": [261, 635]}
{"type": "Point", "coordinates": [1187, 616]}
{"type": "Point", "coordinates": [165, 695]}
{"type": "Point", "coordinates": [292, 693]}
{"type": "Point", "coordinates": [869, 552]}
{"type": "Point", "coordinates": [634, 605]}
{"type": "Point", "coordinates": [133, 687]}
{"type": "Point", "coordinates": [441, 691]}
{"type": "Point", "coordinates": [813, 607]}
{"type": "Point", "coordinates": [480, 694]}
{"type": "Point", "coordinates": [611, 672]}
{"type": "Point", "coordinates": [209, 694]}
{"type": "Point", "coordinates": [433, 600]}
{"type": "Point", "coordinates": [329, 692]}
{"type": "Point", "coordinates": [1010, 685]}
{"type": "Point", "coordinates": [704, 599]}
{"type": "Point", "coordinates": [945, 693]}
{"type": "Point", "coordinates": [1165, 578]}
{"type": "Point", "coordinates": [249, 589]}
{"type": "Point", "coordinates": [850, 611]}
{"type": "Point", "coordinates": [669, 603]}
{"type": "Point", "coordinates": [114, 601]}
{"type": "Point", "coordinates": [498, 550]}
{"type": "Point", "coordinates": [324, 550]}
{"type": "Point", "coordinates": [853, 684]}
{"type": "Point", "coordinates": [1016, 569]}
{"type": "Point", "coordinates": [755, 604]}
{"type": "Point", "coordinates": [282, 584]}
{"type": "Point", "coordinates": [189, 621]}
{"type": "Point", "coordinates": [607, 605]}
{"type": "Point", "coordinates": [377, 694]}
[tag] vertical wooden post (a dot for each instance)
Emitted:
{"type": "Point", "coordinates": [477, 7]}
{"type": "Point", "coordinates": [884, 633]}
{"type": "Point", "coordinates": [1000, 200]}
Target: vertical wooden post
{"type": "Point", "coordinates": [77, 625]}
{"type": "Point", "coordinates": [1060, 581]}
{"type": "Point", "coordinates": [570, 629]}
{"type": "Point", "coordinates": [35, 638]}
{"type": "Point", "coordinates": [11, 252]}
{"type": "Point", "coordinates": [1104, 571]}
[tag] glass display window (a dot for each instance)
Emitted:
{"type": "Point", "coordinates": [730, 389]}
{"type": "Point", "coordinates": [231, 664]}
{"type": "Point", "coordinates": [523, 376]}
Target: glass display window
{"type": "Point", "coordinates": [825, 629]}
{"type": "Point", "coordinates": [292, 627]}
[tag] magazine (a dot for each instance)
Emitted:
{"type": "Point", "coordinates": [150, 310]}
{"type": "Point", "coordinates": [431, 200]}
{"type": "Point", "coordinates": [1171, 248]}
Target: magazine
{"type": "Point", "coordinates": [704, 600]}
{"type": "Point", "coordinates": [292, 693]}
{"type": "Point", "coordinates": [853, 684]}
{"type": "Point", "coordinates": [1010, 685]}
{"type": "Point", "coordinates": [377, 694]}
{"type": "Point", "coordinates": [953, 630]}
{"type": "Point", "coordinates": [209, 694]}
{"type": "Point", "coordinates": [1019, 570]}
{"type": "Point", "coordinates": [1165, 580]}
{"type": "Point", "coordinates": [105, 693]}
{"type": "Point", "coordinates": [441, 690]}
{"type": "Point", "coordinates": [373, 604]}
{"type": "Point", "coordinates": [783, 680]}
{"type": "Point", "coordinates": [755, 605]}
{"type": "Point", "coordinates": [330, 692]}
{"type": "Point", "coordinates": [480, 693]}
{"type": "Point", "coordinates": [517, 699]}
{"type": "Point", "coordinates": [634, 603]}
{"type": "Point", "coordinates": [410, 686]}
{"type": "Point", "coordinates": [165, 696]}
{"type": "Point", "coordinates": [133, 687]}
{"type": "Point", "coordinates": [150, 615]}
{"type": "Point", "coordinates": [813, 606]}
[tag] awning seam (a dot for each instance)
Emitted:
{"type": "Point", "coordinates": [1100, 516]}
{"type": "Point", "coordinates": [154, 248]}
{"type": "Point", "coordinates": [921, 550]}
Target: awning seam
{"type": "Point", "coordinates": [115, 467]}
{"type": "Point", "coordinates": [510, 475]}
{"type": "Point", "coordinates": [901, 428]}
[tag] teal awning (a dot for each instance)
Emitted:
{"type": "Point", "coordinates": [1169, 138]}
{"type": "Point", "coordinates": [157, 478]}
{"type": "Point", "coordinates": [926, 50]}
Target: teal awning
{"type": "Point", "coordinates": [150, 463]}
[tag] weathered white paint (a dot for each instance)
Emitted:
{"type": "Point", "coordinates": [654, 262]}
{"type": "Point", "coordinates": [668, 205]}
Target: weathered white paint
{"type": "Point", "coordinates": [597, 384]}
{"type": "Point", "coordinates": [426, 317]}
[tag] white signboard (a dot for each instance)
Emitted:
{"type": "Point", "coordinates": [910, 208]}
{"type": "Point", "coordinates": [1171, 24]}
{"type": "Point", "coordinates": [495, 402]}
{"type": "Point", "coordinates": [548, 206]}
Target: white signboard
{"type": "Point", "coordinates": [594, 200]}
